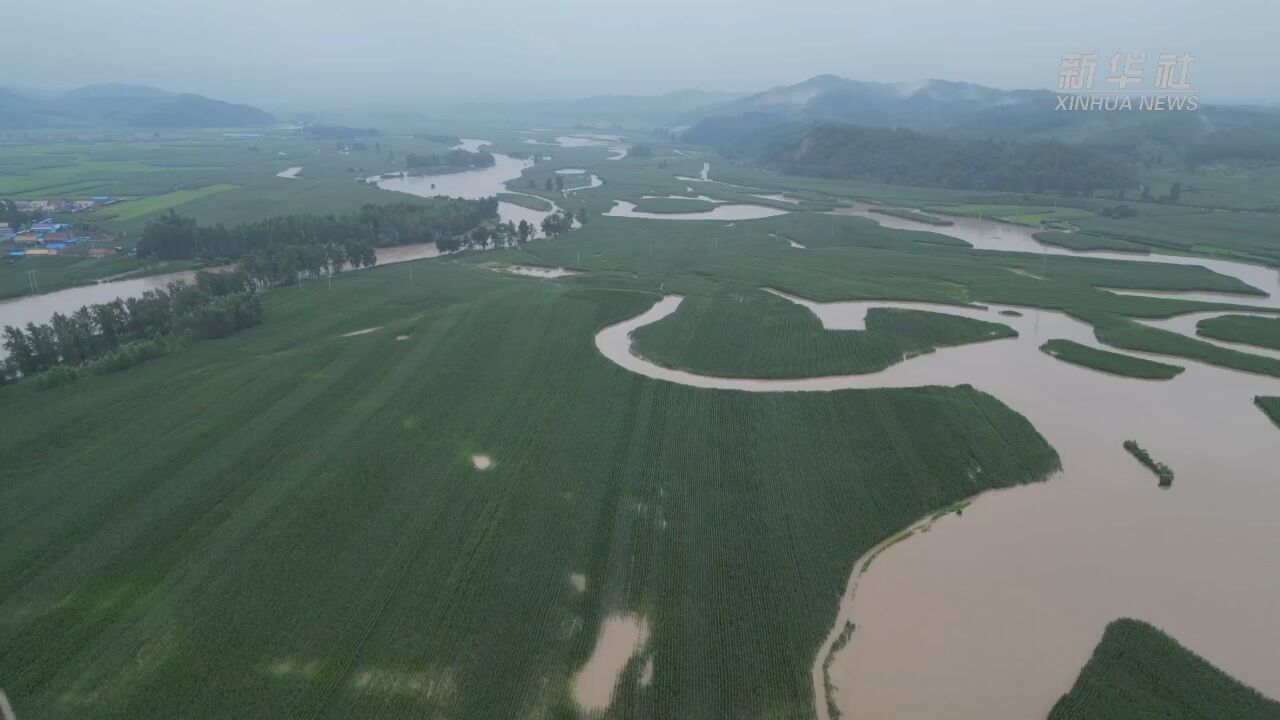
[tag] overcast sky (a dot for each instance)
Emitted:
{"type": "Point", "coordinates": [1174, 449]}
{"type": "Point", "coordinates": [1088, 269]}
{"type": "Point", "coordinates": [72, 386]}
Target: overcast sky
{"type": "Point", "coordinates": [295, 53]}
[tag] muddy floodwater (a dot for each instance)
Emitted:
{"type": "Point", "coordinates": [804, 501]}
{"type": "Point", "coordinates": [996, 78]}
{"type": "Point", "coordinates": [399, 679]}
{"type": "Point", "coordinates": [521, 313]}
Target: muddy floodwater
{"type": "Point", "coordinates": [992, 613]}
{"type": "Point", "coordinates": [40, 308]}
{"type": "Point", "coordinates": [621, 637]}
{"type": "Point", "coordinates": [475, 184]}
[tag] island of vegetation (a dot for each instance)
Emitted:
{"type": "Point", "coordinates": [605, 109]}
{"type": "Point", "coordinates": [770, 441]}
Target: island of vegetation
{"type": "Point", "coordinates": [1128, 334]}
{"type": "Point", "coordinates": [757, 334]}
{"type": "Point", "coordinates": [1137, 671]}
{"type": "Point", "coordinates": [673, 205]}
{"type": "Point", "coordinates": [1110, 362]}
{"type": "Point", "coordinates": [1246, 329]}
{"type": "Point", "coordinates": [1162, 471]}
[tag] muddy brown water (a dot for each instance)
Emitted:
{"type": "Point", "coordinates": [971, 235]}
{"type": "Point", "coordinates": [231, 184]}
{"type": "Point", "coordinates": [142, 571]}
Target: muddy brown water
{"type": "Point", "coordinates": [621, 637]}
{"type": "Point", "coordinates": [991, 614]}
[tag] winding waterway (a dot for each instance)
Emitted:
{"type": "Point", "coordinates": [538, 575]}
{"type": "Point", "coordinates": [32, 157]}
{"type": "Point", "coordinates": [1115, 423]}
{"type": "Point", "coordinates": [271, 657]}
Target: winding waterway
{"type": "Point", "coordinates": [470, 184]}
{"type": "Point", "coordinates": [992, 614]}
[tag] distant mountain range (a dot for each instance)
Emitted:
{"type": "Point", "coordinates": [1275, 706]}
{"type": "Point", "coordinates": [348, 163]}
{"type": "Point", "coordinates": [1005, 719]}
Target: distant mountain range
{"type": "Point", "coordinates": [118, 105]}
{"type": "Point", "coordinates": [958, 109]}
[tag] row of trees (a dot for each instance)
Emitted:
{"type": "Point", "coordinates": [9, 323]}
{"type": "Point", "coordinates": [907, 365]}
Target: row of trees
{"type": "Point", "coordinates": [454, 159]}
{"type": "Point", "coordinates": [217, 305]}
{"type": "Point", "coordinates": [510, 234]}
{"type": "Point", "coordinates": [173, 237]}
{"type": "Point", "coordinates": [285, 264]}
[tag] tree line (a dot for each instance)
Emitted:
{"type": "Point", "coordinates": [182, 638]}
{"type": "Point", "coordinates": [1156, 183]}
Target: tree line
{"type": "Point", "coordinates": [171, 236]}
{"type": "Point", "coordinates": [510, 234]}
{"type": "Point", "coordinates": [905, 157]}
{"type": "Point", "coordinates": [278, 265]}
{"type": "Point", "coordinates": [454, 159]}
{"type": "Point", "coordinates": [113, 335]}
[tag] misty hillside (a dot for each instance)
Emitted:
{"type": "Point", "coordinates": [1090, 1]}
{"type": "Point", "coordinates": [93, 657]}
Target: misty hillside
{"type": "Point", "coordinates": [966, 110]}
{"type": "Point", "coordinates": [119, 105]}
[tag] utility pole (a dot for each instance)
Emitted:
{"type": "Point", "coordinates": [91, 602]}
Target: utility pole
{"type": "Point", "coordinates": [31, 280]}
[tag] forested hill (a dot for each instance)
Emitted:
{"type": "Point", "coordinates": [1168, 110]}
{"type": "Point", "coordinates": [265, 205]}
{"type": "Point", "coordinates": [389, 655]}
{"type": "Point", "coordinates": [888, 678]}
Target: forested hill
{"type": "Point", "coordinates": [906, 157]}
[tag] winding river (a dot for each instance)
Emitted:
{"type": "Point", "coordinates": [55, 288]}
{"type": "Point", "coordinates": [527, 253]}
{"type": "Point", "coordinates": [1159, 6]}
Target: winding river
{"type": "Point", "coordinates": [470, 184]}
{"type": "Point", "coordinates": [992, 614]}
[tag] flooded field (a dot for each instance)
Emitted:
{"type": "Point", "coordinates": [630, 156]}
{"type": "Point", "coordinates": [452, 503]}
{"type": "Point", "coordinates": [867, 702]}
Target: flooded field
{"type": "Point", "coordinates": [538, 272]}
{"type": "Point", "coordinates": [621, 637]}
{"type": "Point", "coordinates": [991, 614]}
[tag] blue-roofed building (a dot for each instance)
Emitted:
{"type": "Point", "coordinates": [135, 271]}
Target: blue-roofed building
{"type": "Point", "coordinates": [17, 253]}
{"type": "Point", "coordinates": [55, 246]}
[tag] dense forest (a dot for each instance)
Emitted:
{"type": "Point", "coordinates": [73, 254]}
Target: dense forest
{"type": "Point", "coordinates": [111, 336]}
{"type": "Point", "coordinates": [174, 237]}
{"type": "Point", "coordinates": [906, 157]}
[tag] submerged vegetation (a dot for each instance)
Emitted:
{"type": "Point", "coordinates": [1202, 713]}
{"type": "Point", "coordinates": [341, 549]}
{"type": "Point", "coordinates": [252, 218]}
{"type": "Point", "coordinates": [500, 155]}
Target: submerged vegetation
{"type": "Point", "coordinates": [1114, 363]}
{"type": "Point", "coordinates": [1162, 471]}
{"type": "Point", "coordinates": [1137, 671]}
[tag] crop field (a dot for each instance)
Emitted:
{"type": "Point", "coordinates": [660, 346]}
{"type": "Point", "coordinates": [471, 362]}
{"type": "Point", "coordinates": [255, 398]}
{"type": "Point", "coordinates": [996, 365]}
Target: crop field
{"type": "Point", "coordinates": [1087, 242]}
{"type": "Point", "coordinates": [762, 335]}
{"type": "Point", "coordinates": [287, 522]}
{"type": "Point", "coordinates": [1110, 362]}
{"type": "Point", "coordinates": [1251, 330]}
{"type": "Point", "coordinates": [290, 522]}
{"type": "Point", "coordinates": [185, 174]}
{"type": "Point", "coordinates": [1129, 335]}
{"type": "Point", "coordinates": [1139, 672]}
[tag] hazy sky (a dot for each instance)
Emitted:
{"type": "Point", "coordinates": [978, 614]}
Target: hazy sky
{"type": "Point", "coordinates": [295, 53]}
